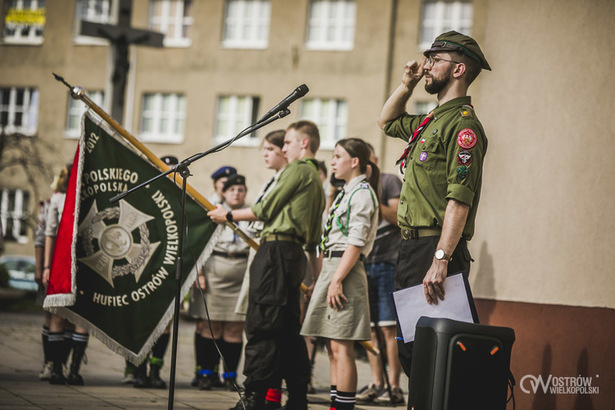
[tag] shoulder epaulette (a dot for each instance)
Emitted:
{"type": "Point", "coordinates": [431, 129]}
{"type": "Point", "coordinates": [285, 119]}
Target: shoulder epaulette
{"type": "Point", "coordinates": [467, 111]}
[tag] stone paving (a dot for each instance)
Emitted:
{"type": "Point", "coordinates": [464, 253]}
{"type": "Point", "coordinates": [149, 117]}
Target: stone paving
{"type": "Point", "coordinates": [21, 361]}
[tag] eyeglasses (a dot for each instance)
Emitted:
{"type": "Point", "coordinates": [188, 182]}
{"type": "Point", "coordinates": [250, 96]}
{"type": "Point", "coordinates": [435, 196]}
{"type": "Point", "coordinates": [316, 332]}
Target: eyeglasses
{"type": "Point", "coordinates": [431, 60]}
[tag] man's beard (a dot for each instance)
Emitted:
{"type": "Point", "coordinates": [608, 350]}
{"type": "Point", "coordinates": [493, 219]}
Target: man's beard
{"type": "Point", "coordinates": [438, 84]}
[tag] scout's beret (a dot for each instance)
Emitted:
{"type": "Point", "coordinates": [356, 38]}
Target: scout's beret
{"type": "Point", "coordinates": [170, 160]}
{"type": "Point", "coordinates": [234, 179]}
{"type": "Point", "coordinates": [454, 41]}
{"type": "Point", "coordinates": [223, 172]}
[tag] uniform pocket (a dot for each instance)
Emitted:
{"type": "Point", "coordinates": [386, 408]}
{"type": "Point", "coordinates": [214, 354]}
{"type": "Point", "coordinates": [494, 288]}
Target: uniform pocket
{"type": "Point", "coordinates": [428, 154]}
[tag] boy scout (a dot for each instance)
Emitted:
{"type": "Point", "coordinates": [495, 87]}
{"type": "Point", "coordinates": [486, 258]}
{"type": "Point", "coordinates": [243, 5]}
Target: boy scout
{"type": "Point", "coordinates": [292, 214]}
{"type": "Point", "coordinates": [443, 167]}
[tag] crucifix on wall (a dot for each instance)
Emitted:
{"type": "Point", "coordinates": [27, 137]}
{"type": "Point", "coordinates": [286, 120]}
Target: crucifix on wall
{"type": "Point", "coordinates": [121, 36]}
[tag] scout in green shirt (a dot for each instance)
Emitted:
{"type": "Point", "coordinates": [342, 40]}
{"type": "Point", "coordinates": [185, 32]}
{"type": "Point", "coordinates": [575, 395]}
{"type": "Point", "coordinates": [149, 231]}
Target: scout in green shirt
{"type": "Point", "coordinates": [284, 209]}
{"type": "Point", "coordinates": [443, 168]}
{"type": "Point", "coordinates": [292, 215]}
{"type": "Point", "coordinates": [443, 161]}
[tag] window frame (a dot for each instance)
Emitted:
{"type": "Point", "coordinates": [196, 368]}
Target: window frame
{"type": "Point", "coordinates": [29, 110]}
{"type": "Point", "coordinates": [235, 116]}
{"type": "Point", "coordinates": [315, 24]}
{"type": "Point", "coordinates": [32, 38]}
{"type": "Point", "coordinates": [158, 114]}
{"type": "Point", "coordinates": [246, 41]}
{"type": "Point", "coordinates": [334, 125]}
{"type": "Point", "coordinates": [18, 215]}
{"type": "Point", "coordinates": [108, 18]}
{"type": "Point", "coordinates": [180, 21]}
{"type": "Point", "coordinates": [440, 23]}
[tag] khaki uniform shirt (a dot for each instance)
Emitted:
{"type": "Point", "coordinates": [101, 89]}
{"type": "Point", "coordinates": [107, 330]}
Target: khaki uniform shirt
{"type": "Point", "coordinates": [295, 205]}
{"type": "Point", "coordinates": [445, 162]}
{"type": "Point", "coordinates": [355, 219]}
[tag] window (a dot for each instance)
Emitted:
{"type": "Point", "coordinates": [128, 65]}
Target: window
{"type": "Point", "coordinates": [331, 25]}
{"type": "Point", "coordinates": [163, 118]}
{"type": "Point", "coordinates": [442, 16]}
{"type": "Point", "coordinates": [330, 115]}
{"type": "Point", "coordinates": [96, 11]}
{"type": "Point", "coordinates": [235, 113]}
{"type": "Point", "coordinates": [14, 214]}
{"type": "Point", "coordinates": [246, 24]}
{"type": "Point", "coordinates": [18, 110]}
{"type": "Point", "coordinates": [24, 21]}
{"type": "Point", "coordinates": [171, 17]}
{"type": "Point", "coordinates": [76, 108]}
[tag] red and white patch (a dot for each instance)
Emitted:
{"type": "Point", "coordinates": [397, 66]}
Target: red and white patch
{"type": "Point", "coordinates": [464, 157]}
{"type": "Point", "coordinates": [466, 138]}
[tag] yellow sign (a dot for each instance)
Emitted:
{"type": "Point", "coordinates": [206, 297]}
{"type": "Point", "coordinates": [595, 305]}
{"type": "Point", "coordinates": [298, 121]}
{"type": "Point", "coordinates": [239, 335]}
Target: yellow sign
{"type": "Point", "coordinates": [21, 17]}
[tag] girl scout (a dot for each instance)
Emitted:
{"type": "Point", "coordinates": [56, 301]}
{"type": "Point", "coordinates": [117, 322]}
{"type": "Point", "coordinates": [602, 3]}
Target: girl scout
{"type": "Point", "coordinates": [339, 308]}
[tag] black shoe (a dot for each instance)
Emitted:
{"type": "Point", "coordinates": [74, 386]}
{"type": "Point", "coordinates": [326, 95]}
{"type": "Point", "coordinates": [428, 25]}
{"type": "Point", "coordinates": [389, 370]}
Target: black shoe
{"type": "Point", "coordinates": [195, 380]}
{"type": "Point", "coordinates": [154, 378]}
{"type": "Point", "coordinates": [75, 379]}
{"type": "Point", "coordinates": [251, 401]}
{"type": "Point", "coordinates": [57, 377]}
{"type": "Point", "coordinates": [205, 382]}
{"type": "Point", "coordinates": [141, 379]}
{"type": "Point", "coordinates": [216, 381]}
{"type": "Point", "coordinates": [141, 382]}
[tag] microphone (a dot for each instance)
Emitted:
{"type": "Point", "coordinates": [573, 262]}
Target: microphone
{"type": "Point", "coordinates": [282, 105]}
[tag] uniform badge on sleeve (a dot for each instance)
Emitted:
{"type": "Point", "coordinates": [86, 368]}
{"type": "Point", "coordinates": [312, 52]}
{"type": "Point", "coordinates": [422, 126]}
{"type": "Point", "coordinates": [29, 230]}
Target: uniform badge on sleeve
{"type": "Point", "coordinates": [466, 113]}
{"type": "Point", "coordinates": [464, 157]}
{"type": "Point", "coordinates": [462, 172]}
{"type": "Point", "coordinates": [466, 138]}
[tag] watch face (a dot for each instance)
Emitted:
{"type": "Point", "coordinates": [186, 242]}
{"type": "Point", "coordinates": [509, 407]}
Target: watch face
{"type": "Point", "coordinates": [439, 254]}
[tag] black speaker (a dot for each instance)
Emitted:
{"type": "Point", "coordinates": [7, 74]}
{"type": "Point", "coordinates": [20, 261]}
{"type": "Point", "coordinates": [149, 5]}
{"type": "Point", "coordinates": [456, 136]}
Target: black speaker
{"type": "Point", "coordinates": [459, 366]}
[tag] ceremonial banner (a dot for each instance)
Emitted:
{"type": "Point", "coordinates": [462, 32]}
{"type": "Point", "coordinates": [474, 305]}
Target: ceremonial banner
{"type": "Point", "coordinates": [114, 264]}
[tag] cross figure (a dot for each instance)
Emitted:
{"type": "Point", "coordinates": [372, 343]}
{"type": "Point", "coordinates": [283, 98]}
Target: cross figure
{"type": "Point", "coordinates": [121, 36]}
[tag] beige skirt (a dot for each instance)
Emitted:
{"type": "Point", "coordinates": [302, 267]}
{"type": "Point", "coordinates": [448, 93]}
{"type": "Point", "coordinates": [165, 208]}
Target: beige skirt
{"type": "Point", "coordinates": [349, 323]}
{"type": "Point", "coordinates": [224, 278]}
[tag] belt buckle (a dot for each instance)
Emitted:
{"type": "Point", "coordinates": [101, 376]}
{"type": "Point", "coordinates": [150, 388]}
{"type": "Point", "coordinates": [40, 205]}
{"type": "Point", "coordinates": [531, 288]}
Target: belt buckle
{"type": "Point", "coordinates": [407, 234]}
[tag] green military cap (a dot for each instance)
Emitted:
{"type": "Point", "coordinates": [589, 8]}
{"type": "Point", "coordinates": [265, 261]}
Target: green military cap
{"type": "Point", "coordinates": [454, 41]}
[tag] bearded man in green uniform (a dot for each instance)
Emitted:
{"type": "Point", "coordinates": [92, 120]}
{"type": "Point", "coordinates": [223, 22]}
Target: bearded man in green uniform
{"type": "Point", "coordinates": [442, 164]}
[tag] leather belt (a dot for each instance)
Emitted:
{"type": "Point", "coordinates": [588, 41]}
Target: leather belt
{"type": "Point", "coordinates": [338, 254]}
{"type": "Point", "coordinates": [281, 237]}
{"type": "Point", "coordinates": [230, 255]}
{"type": "Point", "coordinates": [409, 233]}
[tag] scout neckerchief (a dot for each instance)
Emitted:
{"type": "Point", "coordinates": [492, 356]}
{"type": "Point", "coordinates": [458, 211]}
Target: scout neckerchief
{"type": "Point", "coordinates": [260, 198]}
{"type": "Point", "coordinates": [251, 225]}
{"type": "Point", "coordinates": [336, 204]}
{"type": "Point", "coordinates": [415, 135]}
{"type": "Point", "coordinates": [344, 229]}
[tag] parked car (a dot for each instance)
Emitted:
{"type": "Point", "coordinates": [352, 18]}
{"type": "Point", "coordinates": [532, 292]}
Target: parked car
{"type": "Point", "coordinates": [21, 271]}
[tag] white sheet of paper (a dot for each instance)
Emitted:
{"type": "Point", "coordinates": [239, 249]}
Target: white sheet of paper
{"type": "Point", "coordinates": [411, 304]}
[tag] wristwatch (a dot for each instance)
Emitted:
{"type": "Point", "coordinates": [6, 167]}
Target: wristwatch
{"type": "Point", "coordinates": [441, 255]}
{"type": "Point", "coordinates": [229, 216]}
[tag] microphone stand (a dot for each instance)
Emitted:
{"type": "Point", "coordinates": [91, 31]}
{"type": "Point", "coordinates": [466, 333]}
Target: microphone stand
{"type": "Point", "coordinates": [182, 169]}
